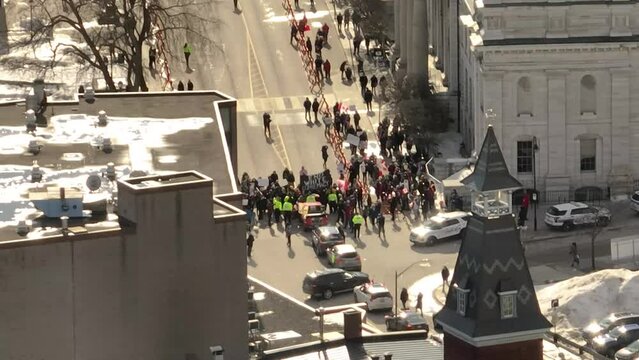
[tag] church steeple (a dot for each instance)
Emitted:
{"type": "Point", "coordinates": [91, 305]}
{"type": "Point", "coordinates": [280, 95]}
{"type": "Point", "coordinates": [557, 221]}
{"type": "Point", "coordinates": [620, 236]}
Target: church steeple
{"type": "Point", "coordinates": [490, 184]}
{"type": "Point", "coordinates": [491, 309]}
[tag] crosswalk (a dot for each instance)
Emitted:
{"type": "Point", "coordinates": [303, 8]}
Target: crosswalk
{"type": "Point", "coordinates": [272, 104]}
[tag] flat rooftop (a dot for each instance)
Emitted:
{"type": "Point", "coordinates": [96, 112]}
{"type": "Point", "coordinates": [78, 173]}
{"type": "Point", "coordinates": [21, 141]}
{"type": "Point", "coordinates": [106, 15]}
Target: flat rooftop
{"type": "Point", "coordinates": [150, 133]}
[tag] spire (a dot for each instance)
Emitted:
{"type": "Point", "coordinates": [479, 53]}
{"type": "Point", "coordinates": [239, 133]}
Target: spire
{"type": "Point", "coordinates": [491, 172]}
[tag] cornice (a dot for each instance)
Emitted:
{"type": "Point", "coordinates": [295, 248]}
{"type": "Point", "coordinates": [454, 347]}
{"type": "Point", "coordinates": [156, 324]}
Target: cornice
{"type": "Point", "coordinates": [558, 49]}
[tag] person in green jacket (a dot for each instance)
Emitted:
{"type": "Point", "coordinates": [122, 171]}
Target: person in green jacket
{"type": "Point", "coordinates": [332, 201]}
{"type": "Point", "coordinates": [358, 220]}
{"type": "Point", "coordinates": [287, 209]}
{"type": "Point", "coordinates": [187, 53]}
{"type": "Point", "coordinates": [277, 208]}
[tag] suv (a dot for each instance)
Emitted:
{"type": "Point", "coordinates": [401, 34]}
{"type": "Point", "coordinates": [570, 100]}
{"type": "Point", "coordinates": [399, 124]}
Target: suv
{"type": "Point", "coordinates": [324, 283]}
{"type": "Point", "coordinates": [608, 323]}
{"type": "Point", "coordinates": [376, 296]}
{"type": "Point", "coordinates": [440, 226]}
{"type": "Point", "coordinates": [325, 237]}
{"type": "Point", "coordinates": [345, 257]}
{"type": "Point", "coordinates": [634, 201]}
{"type": "Point", "coordinates": [567, 216]}
{"type": "Point", "coordinates": [618, 338]}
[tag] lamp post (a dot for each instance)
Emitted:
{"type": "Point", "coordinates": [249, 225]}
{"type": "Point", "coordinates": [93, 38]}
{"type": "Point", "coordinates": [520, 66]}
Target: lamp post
{"type": "Point", "coordinates": [422, 262]}
{"type": "Point", "coordinates": [535, 199]}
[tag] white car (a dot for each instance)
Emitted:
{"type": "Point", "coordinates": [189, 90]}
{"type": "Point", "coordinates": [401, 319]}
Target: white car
{"type": "Point", "coordinates": [440, 226]}
{"type": "Point", "coordinates": [634, 201]}
{"type": "Point", "coordinates": [376, 296]}
{"type": "Point", "coordinates": [568, 215]}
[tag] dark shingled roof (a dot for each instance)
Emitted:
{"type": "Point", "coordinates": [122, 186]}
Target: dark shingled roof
{"type": "Point", "coordinates": [491, 260]}
{"type": "Point", "coordinates": [491, 172]}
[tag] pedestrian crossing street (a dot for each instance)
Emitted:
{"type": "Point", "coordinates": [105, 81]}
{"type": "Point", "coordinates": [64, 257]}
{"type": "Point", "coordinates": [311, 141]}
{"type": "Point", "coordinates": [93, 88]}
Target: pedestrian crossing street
{"type": "Point", "coordinates": [274, 104]}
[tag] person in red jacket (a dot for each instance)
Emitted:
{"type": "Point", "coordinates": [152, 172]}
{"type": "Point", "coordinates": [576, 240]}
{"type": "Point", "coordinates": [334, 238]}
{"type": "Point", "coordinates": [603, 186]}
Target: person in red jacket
{"type": "Point", "coordinates": [325, 32]}
{"type": "Point", "coordinates": [523, 210]}
{"type": "Point", "coordinates": [327, 69]}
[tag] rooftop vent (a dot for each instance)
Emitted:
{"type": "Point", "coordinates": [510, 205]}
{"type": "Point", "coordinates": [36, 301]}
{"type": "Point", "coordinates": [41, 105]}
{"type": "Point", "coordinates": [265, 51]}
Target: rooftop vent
{"type": "Point", "coordinates": [107, 146]}
{"type": "Point", "coordinates": [64, 220]}
{"type": "Point", "coordinates": [34, 147]}
{"type": "Point", "coordinates": [23, 228]}
{"type": "Point", "coordinates": [30, 120]}
{"type": "Point", "coordinates": [89, 94]}
{"type": "Point", "coordinates": [388, 356]}
{"type": "Point", "coordinates": [36, 173]}
{"type": "Point", "coordinates": [110, 171]}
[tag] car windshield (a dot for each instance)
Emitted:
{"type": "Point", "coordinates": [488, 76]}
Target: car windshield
{"type": "Point", "coordinates": [433, 224]}
{"type": "Point", "coordinates": [414, 319]}
{"type": "Point", "coordinates": [315, 209]}
{"type": "Point", "coordinates": [384, 294]}
{"type": "Point", "coordinates": [556, 212]}
{"type": "Point", "coordinates": [349, 255]}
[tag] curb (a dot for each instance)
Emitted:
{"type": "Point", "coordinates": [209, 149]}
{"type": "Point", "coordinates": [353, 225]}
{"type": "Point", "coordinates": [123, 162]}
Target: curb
{"type": "Point", "coordinates": [564, 235]}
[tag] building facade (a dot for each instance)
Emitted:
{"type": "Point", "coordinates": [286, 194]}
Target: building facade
{"type": "Point", "coordinates": [553, 78]}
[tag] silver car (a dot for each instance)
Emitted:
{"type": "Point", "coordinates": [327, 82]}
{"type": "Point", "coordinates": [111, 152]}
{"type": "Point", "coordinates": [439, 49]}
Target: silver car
{"type": "Point", "coordinates": [345, 257]}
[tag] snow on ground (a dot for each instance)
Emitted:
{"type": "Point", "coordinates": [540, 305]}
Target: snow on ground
{"type": "Point", "coordinates": [586, 298]}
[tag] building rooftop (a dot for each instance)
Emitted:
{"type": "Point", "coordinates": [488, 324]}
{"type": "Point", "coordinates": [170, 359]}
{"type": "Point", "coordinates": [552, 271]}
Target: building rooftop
{"type": "Point", "coordinates": [149, 133]}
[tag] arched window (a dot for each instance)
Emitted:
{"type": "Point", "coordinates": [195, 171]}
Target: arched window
{"type": "Point", "coordinates": [524, 97]}
{"type": "Point", "coordinates": [588, 95]}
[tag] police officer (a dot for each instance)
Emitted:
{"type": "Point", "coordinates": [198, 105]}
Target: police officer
{"type": "Point", "coordinates": [277, 208]}
{"type": "Point", "coordinates": [332, 201]}
{"type": "Point", "coordinates": [358, 220]}
{"type": "Point", "coordinates": [310, 198]}
{"type": "Point", "coordinates": [287, 209]}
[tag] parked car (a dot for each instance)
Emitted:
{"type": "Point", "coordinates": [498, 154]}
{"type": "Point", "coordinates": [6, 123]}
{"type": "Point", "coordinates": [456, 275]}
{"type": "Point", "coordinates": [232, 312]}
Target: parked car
{"type": "Point", "coordinates": [634, 201]}
{"type": "Point", "coordinates": [325, 237]}
{"type": "Point", "coordinates": [608, 323]}
{"type": "Point", "coordinates": [440, 226]}
{"type": "Point", "coordinates": [630, 352]}
{"type": "Point", "coordinates": [345, 257]}
{"type": "Point", "coordinates": [616, 339]}
{"type": "Point", "coordinates": [312, 214]}
{"type": "Point", "coordinates": [568, 215]}
{"type": "Point", "coordinates": [406, 320]}
{"type": "Point", "coordinates": [325, 283]}
{"type": "Point", "coordinates": [376, 296]}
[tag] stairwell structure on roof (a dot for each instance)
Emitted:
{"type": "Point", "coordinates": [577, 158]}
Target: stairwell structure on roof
{"type": "Point", "coordinates": [491, 310]}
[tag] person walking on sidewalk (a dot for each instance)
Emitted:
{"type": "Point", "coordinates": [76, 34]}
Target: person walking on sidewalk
{"type": "Point", "coordinates": [445, 275]}
{"type": "Point", "coordinates": [418, 305]}
{"type": "Point", "coordinates": [356, 119]}
{"type": "Point", "coordinates": [363, 82]}
{"type": "Point", "coordinates": [325, 29]}
{"type": "Point", "coordinates": [357, 220]}
{"type": "Point", "coordinates": [342, 68]}
{"type": "Point", "coordinates": [250, 239]}
{"type": "Point", "coordinates": [357, 41]}
{"type": "Point", "coordinates": [309, 45]}
{"type": "Point", "coordinates": [357, 20]}
{"type": "Point", "coordinates": [267, 124]}
{"type": "Point", "coordinates": [374, 83]}
{"type": "Point", "coordinates": [319, 75]}
{"type": "Point", "coordinates": [187, 54]}
{"type": "Point", "coordinates": [575, 255]}
{"type": "Point", "coordinates": [152, 53]}
{"type": "Point", "coordinates": [368, 99]}
{"type": "Point", "coordinates": [403, 297]}
{"type": "Point", "coordinates": [367, 44]}
{"type": "Point", "coordinates": [327, 125]}
{"type": "Point", "coordinates": [347, 19]}
{"type": "Point", "coordinates": [340, 19]}
{"type": "Point", "coordinates": [315, 106]}
{"type": "Point", "coordinates": [307, 109]}
{"type": "Point", "coordinates": [327, 69]}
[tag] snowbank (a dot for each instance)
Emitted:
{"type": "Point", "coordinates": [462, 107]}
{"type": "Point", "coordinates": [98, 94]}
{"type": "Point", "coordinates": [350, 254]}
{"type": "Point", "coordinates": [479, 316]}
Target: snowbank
{"type": "Point", "coordinates": [583, 299]}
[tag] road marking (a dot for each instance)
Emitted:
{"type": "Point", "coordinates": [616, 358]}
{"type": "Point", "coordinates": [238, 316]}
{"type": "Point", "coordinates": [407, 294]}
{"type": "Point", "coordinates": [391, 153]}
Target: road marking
{"type": "Point", "coordinates": [281, 293]}
{"type": "Point", "coordinates": [256, 70]}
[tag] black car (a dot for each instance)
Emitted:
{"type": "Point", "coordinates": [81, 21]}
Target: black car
{"type": "Point", "coordinates": [405, 320]}
{"type": "Point", "coordinates": [324, 283]}
{"type": "Point", "coordinates": [325, 237]}
{"type": "Point", "coordinates": [608, 323]}
{"type": "Point", "coordinates": [616, 339]}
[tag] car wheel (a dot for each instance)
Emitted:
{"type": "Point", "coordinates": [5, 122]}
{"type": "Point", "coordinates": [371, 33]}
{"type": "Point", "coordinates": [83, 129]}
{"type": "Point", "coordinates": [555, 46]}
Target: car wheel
{"type": "Point", "coordinates": [567, 226]}
{"type": "Point", "coordinates": [431, 240]}
{"type": "Point", "coordinates": [327, 294]}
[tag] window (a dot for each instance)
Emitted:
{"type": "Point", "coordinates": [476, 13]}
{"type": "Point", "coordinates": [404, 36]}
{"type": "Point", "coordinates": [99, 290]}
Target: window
{"type": "Point", "coordinates": [524, 97]}
{"type": "Point", "coordinates": [524, 157]}
{"type": "Point", "coordinates": [588, 151]}
{"type": "Point", "coordinates": [462, 298]}
{"type": "Point", "coordinates": [507, 304]}
{"type": "Point", "coordinates": [588, 95]}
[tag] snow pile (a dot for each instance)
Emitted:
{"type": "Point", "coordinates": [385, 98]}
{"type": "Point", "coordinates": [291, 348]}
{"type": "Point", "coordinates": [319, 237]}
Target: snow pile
{"type": "Point", "coordinates": [583, 299]}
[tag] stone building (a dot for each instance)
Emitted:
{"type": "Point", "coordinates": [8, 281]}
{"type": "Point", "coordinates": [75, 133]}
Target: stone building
{"type": "Point", "coordinates": [553, 78]}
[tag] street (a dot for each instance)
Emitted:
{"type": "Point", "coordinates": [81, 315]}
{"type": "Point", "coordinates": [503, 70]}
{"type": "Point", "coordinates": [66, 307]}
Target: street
{"type": "Point", "coordinates": [264, 72]}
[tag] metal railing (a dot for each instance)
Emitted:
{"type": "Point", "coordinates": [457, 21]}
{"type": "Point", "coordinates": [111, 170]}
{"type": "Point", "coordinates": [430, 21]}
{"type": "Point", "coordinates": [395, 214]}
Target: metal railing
{"type": "Point", "coordinates": [572, 346]}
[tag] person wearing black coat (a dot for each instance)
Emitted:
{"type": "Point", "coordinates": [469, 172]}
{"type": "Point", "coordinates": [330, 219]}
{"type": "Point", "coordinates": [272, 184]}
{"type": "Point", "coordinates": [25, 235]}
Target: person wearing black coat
{"type": "Point", "coordinates": [315, 106]}
{"type": "Point", "coordinates": [374, 83]}
{"type": "Point", "coordinates": [356, 119]}
{"type": "Point", "coordinates": [180, 86]}
{"type": "Point", "coordinates": [318, 68]}
{"type": "Point", "coordinates": [363, 82]}
{"type": "Point", "coordinates": [293, 32]}
{"type": "Point", "coordinates": [189, 85]}
{"type": "Point", "coordinates": [368, 99]}
{"type": "Point", "coordinates": [309, 44]}
{"type": "Point", "coordinates": [340, 19]}
{"type": "Point", "coordinates": [267, 124]}
{"type": "Point", "coordinates": [250, 239]}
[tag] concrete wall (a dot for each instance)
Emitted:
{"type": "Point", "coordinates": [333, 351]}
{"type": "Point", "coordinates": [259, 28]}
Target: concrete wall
{"type": "Point", "coordinates": [167, 289]}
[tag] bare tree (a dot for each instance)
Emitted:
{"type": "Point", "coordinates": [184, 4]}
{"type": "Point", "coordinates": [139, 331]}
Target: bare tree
{"type": "Point", "coordinates": [108, 31]}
